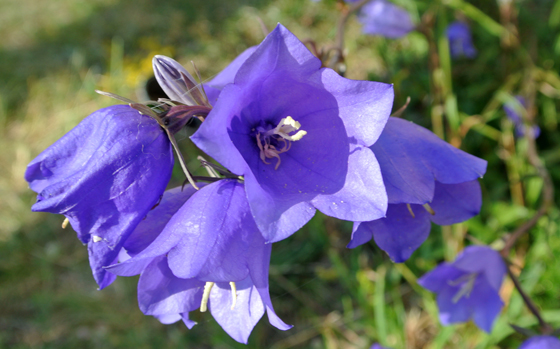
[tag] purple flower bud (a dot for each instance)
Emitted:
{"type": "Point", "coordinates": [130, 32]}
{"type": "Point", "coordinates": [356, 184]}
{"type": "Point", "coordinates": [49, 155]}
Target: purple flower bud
{"type": "Point", "coordinates": [469, 287]}
{"type": "Point", "coordinates": [104, 176]}
{"type": "Point", "coordinates": [298, 134]}
{"type": "Point", "coordinates": [460, 40]}
{"type": "Point", "coordinates": [177, 83]}
{"type": "Point", "coordinates": [419, 169]}
{"type": "Point", "coordinates": [541, 342]}
{"type": "Point", "coordinates": [381, 17]}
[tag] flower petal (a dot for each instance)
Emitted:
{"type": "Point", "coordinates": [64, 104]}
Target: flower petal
{"type": "Point", "coordinates": [477, 259]}
{"type": "Point", "coordinates": [455, 203]}
{"type": "Point", "coordinates": [363, 197]}
{"type": "Point", "coordinates": [381, 17]}
{"type": "Point", "coordinates": [399, 234]}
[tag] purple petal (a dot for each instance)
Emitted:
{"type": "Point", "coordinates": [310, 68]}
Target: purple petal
{"type": "Point", "coordinates": [460, 40]}
{"type": "Point", "coordinates": [188, 322]}
{"type": "Point", "coordinates": [541, 342]}
{"type": "Point", "coordinates": [151, 226]}
{"type": "Point", "coordinates": [399, 234]}
{"type": "Point", "coordinates": [381, 17]}
{"type": "Point", "coordinates": [275, 218]}
{"type": "Point", "coordinates": [483, 259]}
{"type": "Point", "coordinates": [239, 321]}
{"type": "Point", "coordinates": [487, 304]}
{"type": "Point", "coordinates": [162, 293]}
{"type": "Point", "coordinates": [411, 158]}
{"type": "Point", "coordinates": [455, 203]}
{"type": "Point", "coordinates": [438, 279]}
{"type": "Point", "coordinates": [168, 319]}
{"type": "Point", "coordinates": [364, 106]}
{"type": "Point", "coordinates": [91, 175]}
{"type": "Point", "coordinates": [217, 226]}
{"type": "Point", "coordinates": [226, 76]}
{"type": "Point", "coordinates": [363, 197]}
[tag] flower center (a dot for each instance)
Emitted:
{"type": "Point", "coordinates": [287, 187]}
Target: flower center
{"type": "Point", "coordinates": [278, 140]}
{"type": "Point", "coordinates": [466, 288]}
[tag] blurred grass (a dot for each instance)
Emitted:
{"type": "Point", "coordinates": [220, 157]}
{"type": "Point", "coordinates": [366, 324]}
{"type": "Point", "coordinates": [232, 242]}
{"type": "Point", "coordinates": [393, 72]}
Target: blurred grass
{"type": "Point", "coordinates": [54, 54]}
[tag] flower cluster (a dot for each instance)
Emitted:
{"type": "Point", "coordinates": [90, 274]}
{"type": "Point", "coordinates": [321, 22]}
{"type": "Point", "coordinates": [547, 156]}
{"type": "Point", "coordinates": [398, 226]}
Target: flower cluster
{"type": "Point", "coordinates": [292, 138]}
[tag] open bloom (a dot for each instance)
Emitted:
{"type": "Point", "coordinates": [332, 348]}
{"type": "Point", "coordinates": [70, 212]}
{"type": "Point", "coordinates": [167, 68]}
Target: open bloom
{"type": "Point", "coordinates": [541, 342]}
{"type": "Point", "coordinates": [460, 40]}
{"type": "Point", "coordinates": [204, 252]}
{"type": "Point", "coordinates": [298, 134]}
{"type": "Point", "coordinates": [427, 180]}
{"type": "Point", "coordinates": [104, 176]}
{"type": "Point", "coordinates": [469, 287]}
{"type": "Point", "coordinates": [381, 17]}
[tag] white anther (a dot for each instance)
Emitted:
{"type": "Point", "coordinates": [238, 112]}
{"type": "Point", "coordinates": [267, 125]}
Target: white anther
{"type": "Point", "coordinates": [233, 294]}
{"type": "Point", "coordinates": [97, 238]}
{"type": "Point", "coordinates": [429, 209]}
{"type": "Point", "coordinates": [65, 223]}
{"type": "Point", "coordinates": [205, 296]}
{"type": "Point", "coordinates": [287, 125]}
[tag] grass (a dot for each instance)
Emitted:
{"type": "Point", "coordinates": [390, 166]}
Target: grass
{"type": "Point", "coordinates": [54, 55]}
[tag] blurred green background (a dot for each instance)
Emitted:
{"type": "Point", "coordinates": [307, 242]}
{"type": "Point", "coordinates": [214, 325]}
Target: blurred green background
{"type": "Point", "coordinates": [54, 54]}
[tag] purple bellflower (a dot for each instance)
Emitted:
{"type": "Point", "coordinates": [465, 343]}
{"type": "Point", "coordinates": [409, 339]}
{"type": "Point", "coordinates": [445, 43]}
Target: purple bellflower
{"type": "Point", "coordinates": [460, 40]}
{"type": "Point", "coordinates": [104, 176]}
{"type": "Point", "coordinates": [381, 17]}
{"type": "Point", "coordinates": [513, 112]}
{"type": "Point", "coordinates": [204, 252]}
{"type": "Point", "coordinates": [541, 342]}
{"type": "Point", "coordinates": [469, 287]}
{"type": "Point", "coordinates": [298, 134]}
{"type": "Point", "coordinates": [427, 180]}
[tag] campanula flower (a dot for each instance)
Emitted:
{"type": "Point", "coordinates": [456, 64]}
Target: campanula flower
{"type": "Point", "coordinates": [381, 17]}
{"type": "Point", "coordinates": [460, 40]}
{"type": "Point", "coordinates": [469, 287]}
{"type": "Point", "coordinates": [204, 252]}
{"type": "Point", "coordinates": [427, 180]}
{"type": "Point", "coordinates": [514, 112]}
{"type": "Point", "coordinates": [104, 176]}
{"type": "Point", "coordinates": [541, 342]}
{"type": "Point", "coordinates": [298, 134]}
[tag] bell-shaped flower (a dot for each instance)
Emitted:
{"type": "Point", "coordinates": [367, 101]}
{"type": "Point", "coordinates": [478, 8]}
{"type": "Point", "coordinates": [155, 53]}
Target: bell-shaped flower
{"type": "Point", "coordinates": [541, 342]}
{"type": "Point", "coordinates": [427, 180]}
{"type": "Point", "coordinates": [460, 40]}
{"type": "Point", "coordinates": [381, 17]}
{"type": "Point", "coordinates": [514, 113]}
{"type": "Point", "coordinates": [298, 134]}
{"type": "Point", "coordinates": [104, 176]}
{"type": "Point", "coordinates": [469, 287]}
{"type": "Point", "coordinates": [205, 252]}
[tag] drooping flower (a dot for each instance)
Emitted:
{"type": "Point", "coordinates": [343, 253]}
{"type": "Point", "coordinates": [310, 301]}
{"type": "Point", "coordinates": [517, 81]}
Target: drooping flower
{"type": "Point", "coordinates": [419, 169]}
{"type": "Point", "coordinates": [381, 17]}
{"type": "Point", "coordinates": [514, 114]}
{"type": "Point", "coordinates": [104, 176]}
{"type": "Point", "coordinates": [298, 134]}
{"type": "Point", "coordinates": [469, 287]}
{"type": "Point", "coordinates": [541, 342]}
{"type": "Point", "coordinates": [198, 253]}
{"type": "Point", "coordinates": [460, 40]}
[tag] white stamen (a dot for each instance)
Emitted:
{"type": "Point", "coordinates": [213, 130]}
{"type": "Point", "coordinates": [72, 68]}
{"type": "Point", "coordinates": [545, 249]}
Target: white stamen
{"type": "Point", "coordinates": [233, 294]}
{"type": "Point", "coordinates": [205, 296]}
{"type": "Point", "coordinates": [287, 125]}
{"type": "Point", "coordinates": [466, 289]}
{"type": "Point", "coordinates": [429, 209]}
{"type": "Point", "coordinates": [65, 223]}
{"type": "Point", "coordinates": [97, 238]}
{"type": "Point", "coordinates": [410, 210]}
